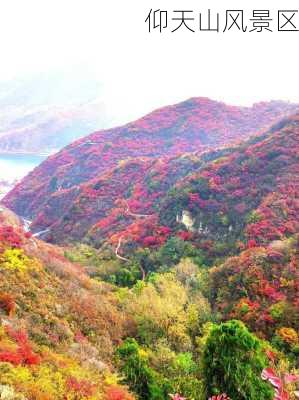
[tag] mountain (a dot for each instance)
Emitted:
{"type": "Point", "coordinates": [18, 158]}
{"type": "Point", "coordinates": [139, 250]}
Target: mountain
{"type": "Point", "coordinates": [5, 187]}
{"type": "Point", "coordinates": [41, 114]}
{"type": "Point", "coordinates": [183, 281]}
{"type": "Point", "coordinates": [198, 124]}
{"type": "Point", "coordinates": [58, 328]}
{"type": "Point", "coordinates": [234, 209]}
{"type": "Point", "coordinates": [222, 200]}
{"type": "Point", "coordinates": [45, 130]}
{"type": "Point", "coordinates": [64, 335]}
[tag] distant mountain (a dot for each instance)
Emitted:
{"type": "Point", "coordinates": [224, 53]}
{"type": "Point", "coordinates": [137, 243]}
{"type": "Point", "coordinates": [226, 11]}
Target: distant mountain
{"type": "Point", "coordinates": [42, 114]}
{"type": "Point", "coordinates": [96, 186]}
{"type": "Point", "coordinates": [5, 187]}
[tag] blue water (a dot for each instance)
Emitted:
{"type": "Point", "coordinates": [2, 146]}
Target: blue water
{"type": "Point", "coordinates": [16, 166]}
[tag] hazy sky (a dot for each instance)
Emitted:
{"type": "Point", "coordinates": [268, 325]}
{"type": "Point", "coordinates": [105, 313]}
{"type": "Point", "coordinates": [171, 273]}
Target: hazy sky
{"type": "Point", "coordinates": [139, 71]}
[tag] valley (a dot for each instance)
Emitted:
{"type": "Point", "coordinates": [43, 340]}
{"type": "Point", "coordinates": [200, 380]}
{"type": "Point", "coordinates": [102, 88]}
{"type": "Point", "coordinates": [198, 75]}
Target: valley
{"type": "Point", "coordinates": [156, 260]}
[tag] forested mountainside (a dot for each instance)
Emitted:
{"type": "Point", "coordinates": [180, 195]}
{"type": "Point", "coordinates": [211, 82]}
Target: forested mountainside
{"type": "Point", "coordinates": [197, 124]}
{"type": "Point", "coordinates": [178, 272]}
{"type": "Point", "coordinates": [65, 335]}
{"type": "Point", "coordinates": [58, 328]}
{"type": "Point", "coordinates": [222, 200]}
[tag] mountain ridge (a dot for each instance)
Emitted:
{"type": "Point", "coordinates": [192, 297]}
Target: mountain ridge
{"type": "Point", "coordinates": [193, 125]}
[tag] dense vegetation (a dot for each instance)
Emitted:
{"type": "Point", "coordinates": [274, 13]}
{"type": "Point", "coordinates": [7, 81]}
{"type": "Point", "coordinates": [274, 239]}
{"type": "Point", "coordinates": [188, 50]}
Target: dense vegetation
{"type": "Point", "coordinates": [58, 328]}
{"type": "Point", "coordinates": [220, 202]}
{"type": "Point", "coordinates": [62, 333]}
{"type": "Point", "coordinates": [178, 277]}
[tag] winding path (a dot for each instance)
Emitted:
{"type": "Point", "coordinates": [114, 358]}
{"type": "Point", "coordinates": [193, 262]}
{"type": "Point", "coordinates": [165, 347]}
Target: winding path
{"type": "Point", "coordinates": [40, 233]}
{"type": "Point", "coordinates": [117, 250]}
{"type": "Point", "coordinates": [128, 212]}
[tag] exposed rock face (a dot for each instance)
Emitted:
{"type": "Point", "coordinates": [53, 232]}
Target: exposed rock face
{"type": "Point", "coordinates": [186, 219]}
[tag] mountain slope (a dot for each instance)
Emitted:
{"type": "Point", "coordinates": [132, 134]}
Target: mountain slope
{"type": "Point", "coordinates": [260, 287]}
{"type": "Point", "coordinates": [227, 200]}
{"type": "Point", "coordinates": [195, 125]}
{"type": "Point", "coordinates": [252, 192]}
{"type": "Point", "coordinates": [244, 194]}
{"type": "Point", "coordinates": [53, 346]}
{"type": "Point", "coordinates": [160, 222]}
{"type": "Point", "coordinates": [221, 201]}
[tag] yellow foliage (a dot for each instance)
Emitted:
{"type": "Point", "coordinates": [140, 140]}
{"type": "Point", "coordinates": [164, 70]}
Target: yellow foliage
{"type": "Point", "coordinates": [112, 379]}
{"type": "Point", "coordinates": [288, 335]}
{"type": "Point", "coordinates": [142, 353]}
{"type": "Point", "coordinates": [14, 260]}
{"type": "Point", "coordinates": [162, 303]}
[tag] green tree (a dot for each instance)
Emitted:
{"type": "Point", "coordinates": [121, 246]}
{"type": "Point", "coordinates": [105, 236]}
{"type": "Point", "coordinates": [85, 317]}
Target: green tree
{"type": "Point", "coordinates": [142, 379]}
{"type": "Point", "coordinates": [233, 360]}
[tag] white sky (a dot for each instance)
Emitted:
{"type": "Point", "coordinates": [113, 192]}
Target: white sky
{"type": "Point", "coordinates": [141, 71]}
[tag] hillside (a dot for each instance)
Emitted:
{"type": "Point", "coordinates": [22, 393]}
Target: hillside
{"type": "Point", "coordinates": [182, 284]}
{"type": "Point", "coordinates": [58, 328]}
{"type": "Point", "coordinates": [66, 336]}
{"type": "Point", "coordinates": [198, 124]}
{"type": "Point", "coordinates": [146, 215]}
{"type": "Point", "coordinates": [234, 197]}
{"type": "Point", "coordinates": [249, 196]}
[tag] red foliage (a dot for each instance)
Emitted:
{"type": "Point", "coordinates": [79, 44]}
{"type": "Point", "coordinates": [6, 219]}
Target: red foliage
{"type": "Point", "coordinates": [23, 354]}
{"type": "Point", "coordinates": [81, 387]}
{"type": "Point", "coordinates": [259, 283]}
{"type": "Point", "coordinates": [89, 179]}
{"type": "Point", "coordinates": [117, 393]}
{"type": "Point", "coordinates": [278, 383]}
{"type": "Point", "coordinates": [278, 215]}
{"type": "Point", "coordinates": [149, 241]}
{"type": "Point", "coordinates": [10, 237]}
{"type": "Point", "coordinates": [251, 243]}
{"type": "Point", "coordinates": [11, 357]}
{"type": "Point", "coordinates": [220, 397]}
{"type": "Point", "coordinates": [184, 235]}
{"type": "Point", "coordinates": [79, 337]}
{"type": "Point", "coordinates": [176, 396]}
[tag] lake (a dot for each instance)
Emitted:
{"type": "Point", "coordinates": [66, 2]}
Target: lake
{"type": "Point", "coordinates": [15, 166]}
